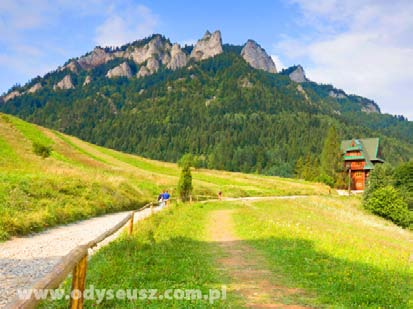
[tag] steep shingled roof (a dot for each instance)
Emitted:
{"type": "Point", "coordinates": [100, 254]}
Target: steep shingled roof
{"type": "Point", "coordinates": [369, 148]}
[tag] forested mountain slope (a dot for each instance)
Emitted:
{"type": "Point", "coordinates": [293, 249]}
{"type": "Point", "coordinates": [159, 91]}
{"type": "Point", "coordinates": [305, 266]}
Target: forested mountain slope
{"type": "Point", "coordinates": [209, 100]}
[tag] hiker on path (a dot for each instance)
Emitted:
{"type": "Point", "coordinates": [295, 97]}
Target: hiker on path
{"type": "Point", "coordinates": [166, 196]}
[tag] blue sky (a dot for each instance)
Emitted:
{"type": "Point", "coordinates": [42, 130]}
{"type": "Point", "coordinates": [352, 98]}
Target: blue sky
{"type": "Point", "coordinates": [362, 46]}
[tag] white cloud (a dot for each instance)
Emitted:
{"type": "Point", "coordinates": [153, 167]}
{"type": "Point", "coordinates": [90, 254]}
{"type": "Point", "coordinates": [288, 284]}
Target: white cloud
{"type": "Point", "coordinates": [126, 24]}
{"type": "Point", "coordinates": [363, 47]}
{"type": "Point", "coordinates": [36, 36]}
{"type": "Point", "coordinates": [278, 63]}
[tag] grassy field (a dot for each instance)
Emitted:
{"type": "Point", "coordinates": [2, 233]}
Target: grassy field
{"type": "Point", "coordinates": [327, 248]}
{"type": "Point", "coordinates": [80, 180]}
{"type": "Point", "coordinates": [166, 251]}
{"type": "Point", "coordinates": [331, 248]}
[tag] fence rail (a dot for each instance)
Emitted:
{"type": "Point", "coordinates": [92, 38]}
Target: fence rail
{"type": "Point", "coordinates": [76, 262]}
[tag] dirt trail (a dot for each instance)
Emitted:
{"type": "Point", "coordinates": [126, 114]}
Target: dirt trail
{"type": "Point", "coordinates": [245, 266]}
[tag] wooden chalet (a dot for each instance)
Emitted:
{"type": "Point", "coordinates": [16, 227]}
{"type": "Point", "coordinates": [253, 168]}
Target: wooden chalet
{"type": "Point", "coordinates": [360, 156]}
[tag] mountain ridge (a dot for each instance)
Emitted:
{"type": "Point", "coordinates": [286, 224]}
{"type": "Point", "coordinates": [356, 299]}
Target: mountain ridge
{"type": "Point", "coordinates": [144, 51]}
{"type": "Point", "coordinates": [222, 109]}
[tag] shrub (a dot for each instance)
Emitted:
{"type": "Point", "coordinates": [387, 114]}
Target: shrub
{"type": "Point", "coordinates": [328, 180]}
{"type": "Point", "coordinates": [42, 150]}
{"type": "Point", "coordinates": [380, 177]}
{"type": "Point", "coordinates": [387, 202]}
{"type": "Point", "coordinates": [403, 181]}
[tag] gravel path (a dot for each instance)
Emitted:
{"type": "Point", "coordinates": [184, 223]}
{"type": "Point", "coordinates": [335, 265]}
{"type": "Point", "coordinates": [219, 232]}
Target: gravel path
{"type": "Point", "coordinates": [25, 260]}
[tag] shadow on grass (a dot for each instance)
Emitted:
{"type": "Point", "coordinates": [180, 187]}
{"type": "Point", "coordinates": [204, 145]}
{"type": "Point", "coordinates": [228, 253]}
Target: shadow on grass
{"type": "Point", "coordinates": [182, 263]}
{"type": "Point", "coordinates": [335, 281]}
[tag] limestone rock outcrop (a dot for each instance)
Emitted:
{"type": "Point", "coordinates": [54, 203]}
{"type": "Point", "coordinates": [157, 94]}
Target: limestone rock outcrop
{"type": "Point", "coordinates": [87, 81]}
{"type": "Point", "coordinates": [209, 46]}
{"type": "Point", "coordinates": [178, 58]}
{"type": "Point", "coordinates": [154, 54]}
{"type": "Point", "coordinates": [298, 75]}
{"type": "Point", "coordinates": [370, 107]}
{"type": "Point", "coordinates": [152, 65]}
{"type": "Point", "coordinates": [98, 57]}
{"type": "Point", "coordinates": [337, 94]}
{"type": "Point", "coordinates": [143, 71]}
{"type": "Point", "coordinates": [256, 57]}
{"type": "Point", "coordinates": [72, 66]}
{"type": "Point", "coordinates": [302, 91]}
{"type": "Point", "coordinates": [65, 83]}
{"type": "Point", "coordinates": [122, 70]}
{"type": "Point", "coordinates": [11, 96]}
{"type": "Point", "coordinates": [36, 87]}
{"type": "Point", "coordinates": [156, 48]}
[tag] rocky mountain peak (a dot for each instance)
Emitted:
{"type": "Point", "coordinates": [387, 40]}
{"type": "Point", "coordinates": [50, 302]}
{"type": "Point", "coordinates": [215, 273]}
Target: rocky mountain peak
{"type": "Point", "coordinates": [257, 57]}
{"type": "Point", "coordinates": [298, 75]}
{"type": "Point", "coordinates": [97, 57]}
{"type": "Point", "coordinates": [178, 58]}
{"type": "Point", "coordinates": [122, 70]}
{"type": "Point", "coordinates": [209, 46]}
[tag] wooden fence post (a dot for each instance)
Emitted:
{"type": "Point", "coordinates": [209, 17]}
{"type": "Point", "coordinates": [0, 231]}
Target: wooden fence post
{"type": "Point", "coordinates": [131, 223]}
{"type": "Point", "coordinates": [190, 199]}
{"type": "Point", "coordinates": [78, 284]}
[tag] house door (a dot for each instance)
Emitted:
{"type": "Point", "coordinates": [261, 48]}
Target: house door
{"type": "Point", "coordinates": [359, 180]}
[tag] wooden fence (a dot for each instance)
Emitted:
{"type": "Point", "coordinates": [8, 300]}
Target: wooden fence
{"type": "Point", "coordinates": [76, 262]}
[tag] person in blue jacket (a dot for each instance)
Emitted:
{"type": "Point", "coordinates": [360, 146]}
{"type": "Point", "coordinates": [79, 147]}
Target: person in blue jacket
{"type": "Point", "coordinates": [166, 196]}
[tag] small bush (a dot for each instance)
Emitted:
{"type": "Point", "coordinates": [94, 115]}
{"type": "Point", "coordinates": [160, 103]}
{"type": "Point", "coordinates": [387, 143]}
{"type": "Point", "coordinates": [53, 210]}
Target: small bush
{"type": "Point", "coordinates": [387, 202]}
{"type": "Point", "coordinates": [328, 180]}
{"type": "Point", "coordinates": [42, 150]}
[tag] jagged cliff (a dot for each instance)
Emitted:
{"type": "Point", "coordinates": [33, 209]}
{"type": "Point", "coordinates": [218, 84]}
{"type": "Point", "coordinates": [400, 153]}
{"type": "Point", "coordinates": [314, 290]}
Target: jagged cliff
{"type": "Point", "coordinates": [298, 75]}
{"type": "Point", "coordinates": [122, 69]}
{"type": "Point", "coordinates": [148, 56]}
{"type": "Point", "coordinates": [209, 46]}
{"type": "Point", "coordinates": [224, 104]}
{"type": "Point", "coordinates": [257, 57]}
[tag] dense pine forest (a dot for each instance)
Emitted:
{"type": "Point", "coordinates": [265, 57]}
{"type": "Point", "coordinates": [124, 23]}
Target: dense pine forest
{"type": "Point", "coordinates": [226, 113]}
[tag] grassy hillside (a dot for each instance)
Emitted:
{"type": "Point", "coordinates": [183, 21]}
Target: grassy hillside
{"type": "Point", "coordinates": [321, 252]}
{"type": "Point", "coordinates": [81, 180]}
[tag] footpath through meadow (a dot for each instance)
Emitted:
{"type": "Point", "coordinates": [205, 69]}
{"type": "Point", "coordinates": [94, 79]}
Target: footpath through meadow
{"type": "Point", "coordinates": [246, 268]}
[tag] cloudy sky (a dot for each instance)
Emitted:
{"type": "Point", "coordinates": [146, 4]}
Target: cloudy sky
{"type": "Point", "coordinates": [364, 47]}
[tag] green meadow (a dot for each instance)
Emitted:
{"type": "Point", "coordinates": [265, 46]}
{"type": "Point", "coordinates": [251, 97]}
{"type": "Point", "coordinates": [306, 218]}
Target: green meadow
{"type": "Point", "coordinates": [315, 250]}
{"type": "Point", "coordinates": [326, 248]}
{"type": "Point", "coordinates": [80, 180]}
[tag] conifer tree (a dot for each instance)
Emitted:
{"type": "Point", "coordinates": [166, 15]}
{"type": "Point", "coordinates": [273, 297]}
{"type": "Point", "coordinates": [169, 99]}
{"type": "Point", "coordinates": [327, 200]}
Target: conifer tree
{"type": "Point", "coordinates": [331, 157]}
{"type": "Point", "coordinates": [185, 180]}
